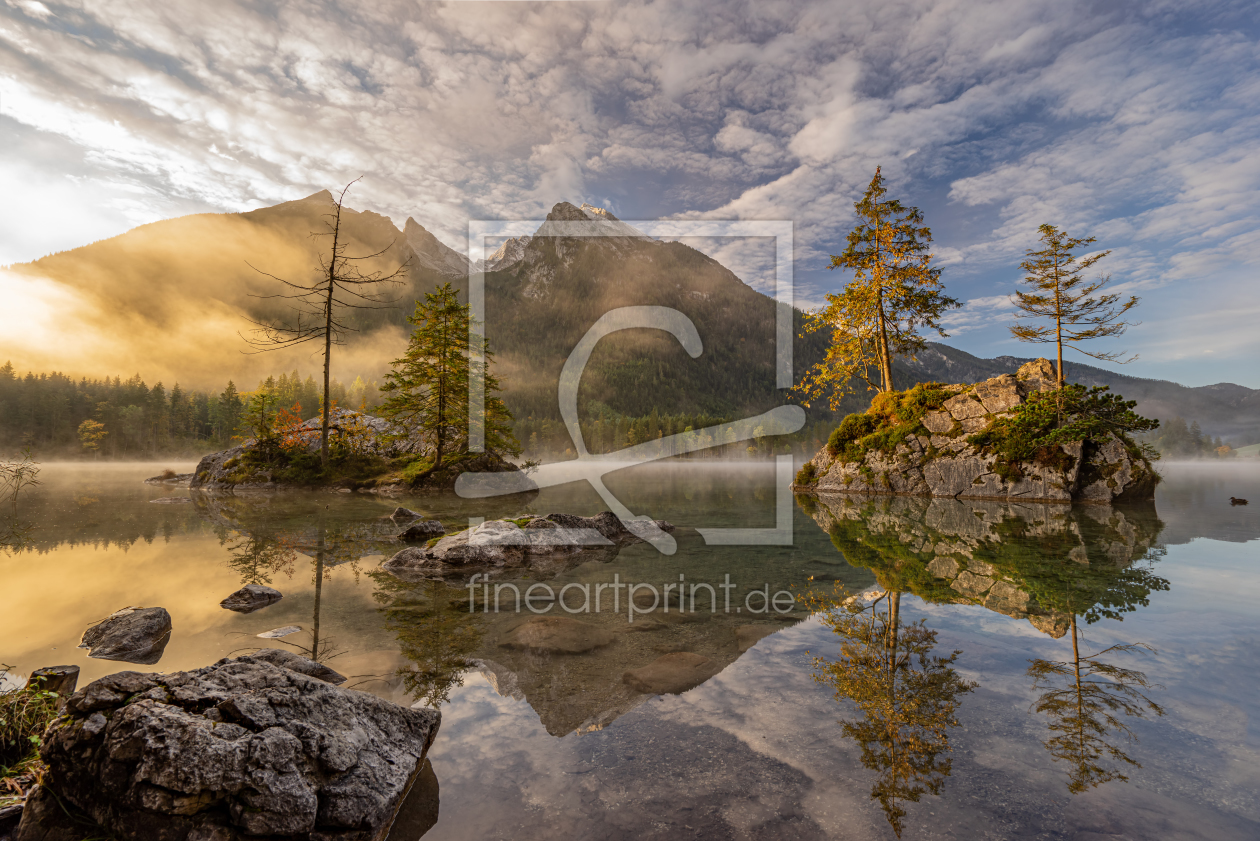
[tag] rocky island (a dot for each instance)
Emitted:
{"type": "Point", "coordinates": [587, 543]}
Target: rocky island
{"type": "Point", "coordinates": [369, 454]}
{"type": "Point", "coordinates": [979, 442]}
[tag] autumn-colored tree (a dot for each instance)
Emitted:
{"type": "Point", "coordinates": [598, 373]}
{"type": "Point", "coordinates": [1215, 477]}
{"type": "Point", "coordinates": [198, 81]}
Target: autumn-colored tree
{"type": "Point", "coordinates": [895, 293]}
{"type": "Point", "coordinates": [340, 284]}
{"type": "Point", "coordinates": [1061, 295]}
{"type": "Point", "coordinates": [906, 695]}
{"type": "Point", "coordinates": [91, 433]}
{"type": "Point", "coordinates": [427, 388]}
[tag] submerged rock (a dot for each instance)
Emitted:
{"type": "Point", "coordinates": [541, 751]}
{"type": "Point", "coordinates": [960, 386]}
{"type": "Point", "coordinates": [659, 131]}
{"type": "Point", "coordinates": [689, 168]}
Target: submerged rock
{"type": "Point", "coordinates": [672, 674]}
{"type": "Point", "coordinates": [403, 515]}
{"type": "Point", "coordinates": [240, 749]}
{"type": "Point", "coordinates": [557, 635]}
{"type": "Point", "coordinates": [134, 635]}
{"type": "Point", "coordinates": [251, 597]}
{"type": "Point", "coordinates": [170, 478]}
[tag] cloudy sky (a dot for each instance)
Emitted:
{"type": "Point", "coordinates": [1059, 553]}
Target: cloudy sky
{"type": "Point", "coordinates": [1136, 123]}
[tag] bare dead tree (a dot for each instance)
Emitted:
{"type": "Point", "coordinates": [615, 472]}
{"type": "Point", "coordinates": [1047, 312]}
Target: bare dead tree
{"type": "Point", "coordinates": [339, 284]}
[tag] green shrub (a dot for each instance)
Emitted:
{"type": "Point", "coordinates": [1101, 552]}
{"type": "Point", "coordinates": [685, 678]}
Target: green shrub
{"type": "Point", "coordinates": [1040, 427]}
{"type": "Point", "coordinates": [806, 475]}
{"type": "Point", "coordinates": [24, 716]}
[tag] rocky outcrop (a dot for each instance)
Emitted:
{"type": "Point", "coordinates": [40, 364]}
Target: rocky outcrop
{"type": "Point", "coordinates": [240, 469]}
{"type": "Point", "coordinates": [941, 462]}
{"type": "Point", "coordinates": [240, 749]}
{"type": "Point", "coordinates": [500, 544]}
{"type": "Point", "coordinates": [134, 635]}
{"type": "Point", "coordinates": [359, 432]}
{"type": "Point", "coordinates": [251, 597]}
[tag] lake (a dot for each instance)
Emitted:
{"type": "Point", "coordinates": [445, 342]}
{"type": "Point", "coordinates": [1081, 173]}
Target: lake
{"type": "Point", "coordinates": [1147, 727]}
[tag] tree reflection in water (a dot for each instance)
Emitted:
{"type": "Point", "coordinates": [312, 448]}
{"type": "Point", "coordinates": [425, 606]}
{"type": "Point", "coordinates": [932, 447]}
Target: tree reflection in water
{"type": "Point", "coordinates": [1085, 708]}
{"type": "Point", "coordinates": [435, 631]}
{"type": "Point", "coordinates": [907, 696]}
{"type": "Point", "coordinates": [265, 550]}
{"type": "Point", "coordinates": [259, 557]}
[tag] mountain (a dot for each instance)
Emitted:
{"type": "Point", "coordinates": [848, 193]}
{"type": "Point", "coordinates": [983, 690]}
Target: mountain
{"type": "Point", "coordinates": [539, 305]}
{"type": "Point", "coordinates": [1224, 409]}
{"type": "Point", "coordinates": [171, 297]}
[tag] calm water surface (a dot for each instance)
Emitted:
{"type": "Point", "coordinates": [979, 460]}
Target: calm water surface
{"type": "Point", "coordinates": [1162, 602]}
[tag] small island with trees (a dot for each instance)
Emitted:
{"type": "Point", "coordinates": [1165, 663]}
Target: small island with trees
{"type": "Point", "coordinates": [1029, 436]}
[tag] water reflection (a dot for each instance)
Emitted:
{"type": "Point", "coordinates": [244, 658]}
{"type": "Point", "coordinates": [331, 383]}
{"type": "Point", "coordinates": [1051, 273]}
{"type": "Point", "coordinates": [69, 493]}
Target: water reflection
{"type": "Point", "coordinates": [1084, 700]}
{"type": "Point", "coordinates": [435, 631]}
{"type": "Point", "coordinates": [1051, 565]}
{"type": "Point", "coordinates": [1043, 563]}
{"type": "Point", "coordinates": [906, 695]}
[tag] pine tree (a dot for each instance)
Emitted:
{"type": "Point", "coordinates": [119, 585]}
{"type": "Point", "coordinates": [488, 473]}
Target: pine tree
{"type": "Point", "coordinates": [1061, 295]}
{"type": "Point", "coordinates": [894, 293]}
{"type": "Point", "coordinates": [230, 409]}
{"type": "Point", "coordinates": [427, 388]}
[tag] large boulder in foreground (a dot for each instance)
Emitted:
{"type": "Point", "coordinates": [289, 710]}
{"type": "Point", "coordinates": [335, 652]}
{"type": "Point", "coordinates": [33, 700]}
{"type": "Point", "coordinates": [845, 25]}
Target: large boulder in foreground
{"type": "Point", "coordinates": [933, 453]}
{"type": "Point", "coordinates": [237, 750]}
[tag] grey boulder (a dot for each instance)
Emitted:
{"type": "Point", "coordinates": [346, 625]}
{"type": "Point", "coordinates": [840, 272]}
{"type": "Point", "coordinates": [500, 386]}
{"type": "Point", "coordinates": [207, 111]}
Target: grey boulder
{"type": "Point", "coordinates": [240, 749]}
{"type": "Point", "coordinates": [297, 663]}
{"type": "Point", "coordinates": [251, 597]}
{"type": "Point", "coordinates": [134, 635]}
{"type": "Point", "coordinates": [423, 530]}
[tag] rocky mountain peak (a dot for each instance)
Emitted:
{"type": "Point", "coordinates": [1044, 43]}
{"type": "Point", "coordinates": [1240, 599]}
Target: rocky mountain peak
{"type": "Point", "coordinates": [431, 252]}
{"type": "Point", "coordinates": [322, 197]}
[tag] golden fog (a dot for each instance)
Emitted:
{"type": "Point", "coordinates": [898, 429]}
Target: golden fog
{"type": "Point", "coordinates": [169, 300]}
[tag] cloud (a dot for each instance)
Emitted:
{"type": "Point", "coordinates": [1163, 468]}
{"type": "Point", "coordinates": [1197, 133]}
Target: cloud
{"type": "Point", "coordinates": [1134, 122]}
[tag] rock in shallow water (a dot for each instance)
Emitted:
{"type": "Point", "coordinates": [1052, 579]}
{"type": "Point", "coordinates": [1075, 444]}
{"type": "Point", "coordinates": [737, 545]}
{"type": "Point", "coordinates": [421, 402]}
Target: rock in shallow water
{"type": "Point", "coordinates": [134, 635]}
{"type": "Point", "coordinates": [672, 674]}
{"type": "Point", "coordinates": [557, 635]}
{"type": "Point", "coordinates": [251, 597]}
{"type": "Point", "coordinates": [239, 749]}
{"type": "Point", "coordinates": [421, 531]}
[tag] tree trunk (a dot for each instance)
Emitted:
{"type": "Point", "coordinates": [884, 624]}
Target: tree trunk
{"type": "Point", "coordinates": [885, 363]}
{"type": "Point", "coordinates": [328, 312]}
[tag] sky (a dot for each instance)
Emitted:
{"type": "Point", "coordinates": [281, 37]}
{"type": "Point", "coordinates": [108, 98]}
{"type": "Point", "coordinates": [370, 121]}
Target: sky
{"type": "Point", "coordinates": [1136, 123]}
